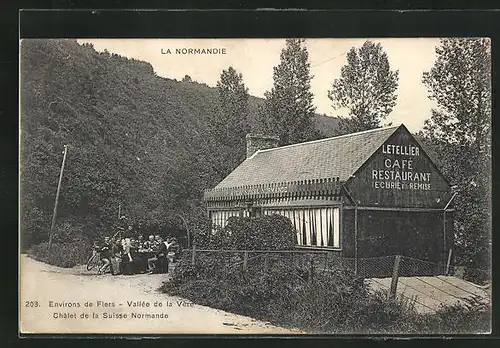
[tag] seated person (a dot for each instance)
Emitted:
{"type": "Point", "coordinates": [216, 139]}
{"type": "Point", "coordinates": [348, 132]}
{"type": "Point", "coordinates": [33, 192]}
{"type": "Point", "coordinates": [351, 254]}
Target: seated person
{"type": "Point", "coordinates": [139, 256]}
{"type": "Point", "coordinates": [149, 245]}
{"type": "Point", "coordinates": [159, 261]}
{"type": "Point", "coordinates": [140, 241]}
{"type": "Point", "coordinates": [136, 257]}
{"type": "Point", "coordinates": [116, 253]}
{"type": "Point", "coordinates": [126, 262]}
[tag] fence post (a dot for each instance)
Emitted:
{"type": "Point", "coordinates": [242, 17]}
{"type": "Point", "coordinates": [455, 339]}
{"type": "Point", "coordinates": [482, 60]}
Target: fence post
{"type": "Point", "coordinates": [448, 263]}
{"type": "Point", "coordinates": [245, 261]}
{"type": "Point", "coordinates": [193, 255]}
{"type": "Point", "coordinates": [395, 276]}
{"type": "Point", "coordinates": [310, 269]}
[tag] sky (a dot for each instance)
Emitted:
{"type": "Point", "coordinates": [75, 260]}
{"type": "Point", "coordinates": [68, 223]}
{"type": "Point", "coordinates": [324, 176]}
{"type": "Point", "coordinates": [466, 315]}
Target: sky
{"type": "Point", "coordinates": [255, 59]}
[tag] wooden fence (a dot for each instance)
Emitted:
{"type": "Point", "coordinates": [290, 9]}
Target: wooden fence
{"type": "Point", "coordinates": [315, 261]}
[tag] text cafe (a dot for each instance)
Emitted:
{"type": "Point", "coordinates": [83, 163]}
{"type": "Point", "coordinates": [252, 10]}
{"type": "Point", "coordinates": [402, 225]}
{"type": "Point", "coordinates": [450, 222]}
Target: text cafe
{"type": "Point", "coordinates": [367, 194]}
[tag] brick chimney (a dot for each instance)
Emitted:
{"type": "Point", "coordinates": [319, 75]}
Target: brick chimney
{"type": "Point", "coordinates": [257, 142]}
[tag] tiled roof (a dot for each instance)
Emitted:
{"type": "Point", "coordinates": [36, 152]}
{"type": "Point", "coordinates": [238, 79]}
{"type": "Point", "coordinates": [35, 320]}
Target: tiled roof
{"type": "Point", "coordinates": [325, 158]}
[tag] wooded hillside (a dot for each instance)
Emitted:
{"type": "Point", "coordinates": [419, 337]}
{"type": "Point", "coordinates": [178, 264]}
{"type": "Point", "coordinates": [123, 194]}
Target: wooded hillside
{"type": "Point", "coordinates": [133, 138]}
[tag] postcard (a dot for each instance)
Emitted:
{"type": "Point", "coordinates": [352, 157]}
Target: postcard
{"type": "Point", "coordinates": [255, 186]}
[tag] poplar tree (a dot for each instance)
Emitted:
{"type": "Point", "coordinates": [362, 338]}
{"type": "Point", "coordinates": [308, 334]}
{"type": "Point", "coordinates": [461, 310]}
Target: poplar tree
{"type": "Point", "coordinates": [460, 130]}
{"type": "Point", "coordinates": [366, 88]}
{"type": "Point", "coordinates": [288, 109]}
{"type": "Point", "coordinates": [229, 124]}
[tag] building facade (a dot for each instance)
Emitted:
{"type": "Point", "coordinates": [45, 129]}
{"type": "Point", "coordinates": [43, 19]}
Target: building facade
{"type": "Point", "coordinates": [366, 194]}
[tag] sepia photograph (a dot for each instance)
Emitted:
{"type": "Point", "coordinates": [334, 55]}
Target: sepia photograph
{"type": "Point", "coordinates": [250, 186]}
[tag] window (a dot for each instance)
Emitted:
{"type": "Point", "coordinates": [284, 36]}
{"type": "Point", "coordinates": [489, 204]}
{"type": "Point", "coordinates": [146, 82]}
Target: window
{"type": "Point", "coordinates": [314, 226]}
{"type": "Point", "coordinates": [219, 218]}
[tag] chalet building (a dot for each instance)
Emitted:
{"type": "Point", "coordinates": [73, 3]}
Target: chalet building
{"type": "Point", "coordinates": [366, 194]}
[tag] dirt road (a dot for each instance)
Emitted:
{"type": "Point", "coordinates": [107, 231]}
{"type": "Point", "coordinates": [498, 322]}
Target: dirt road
{"type": "Point", "coordinates": [58, 300]}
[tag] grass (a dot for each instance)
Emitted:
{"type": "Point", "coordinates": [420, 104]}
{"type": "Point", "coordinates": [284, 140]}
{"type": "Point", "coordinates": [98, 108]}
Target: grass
{"type": "Point", "coordinates": [333, 302]}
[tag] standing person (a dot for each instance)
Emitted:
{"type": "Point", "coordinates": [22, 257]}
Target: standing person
{"type": "Point", "coordinates": [169, 242]}
{"type": "Point", "coordinates": [126, 255]}
{"type": "Point", "coordinates": [174, 249]}
{"type": "Point", "coordinates": [105, 251]}
{"type": "Point", "coordinates": [149, 246]}
{"type": "Point", "coordinates": [130, 231]}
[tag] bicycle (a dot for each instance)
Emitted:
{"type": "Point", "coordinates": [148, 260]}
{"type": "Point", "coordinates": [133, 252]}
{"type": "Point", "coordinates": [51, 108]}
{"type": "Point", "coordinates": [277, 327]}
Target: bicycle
{"type": "Point", "coordinates": [95, 259]}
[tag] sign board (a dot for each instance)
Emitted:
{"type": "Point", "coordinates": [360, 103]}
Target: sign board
{"type": "Point", "coordinates": [400, 174]}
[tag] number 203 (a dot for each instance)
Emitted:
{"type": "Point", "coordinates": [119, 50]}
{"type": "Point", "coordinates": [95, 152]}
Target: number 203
{"type": "Point", "coordinates": [31, 304]}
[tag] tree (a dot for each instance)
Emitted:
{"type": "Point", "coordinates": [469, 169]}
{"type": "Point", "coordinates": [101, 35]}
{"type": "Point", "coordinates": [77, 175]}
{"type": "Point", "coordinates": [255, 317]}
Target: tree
{"type": "Point", "coordinates": [460, 128]}
{"type": "Point", "coordinates": [187, 78]}
{"type": "Point", "coordinates": [288, 109]}
{"type": "Point", "coordinates": [366, 87]}
{"type": "Point", "coordinates": [142, 147]}
{"type": "Point", "coordinates": [229, 123]}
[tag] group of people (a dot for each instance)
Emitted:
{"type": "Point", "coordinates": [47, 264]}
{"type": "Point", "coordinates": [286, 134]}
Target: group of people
{"type": "Point", "coordinates": [136, 255]}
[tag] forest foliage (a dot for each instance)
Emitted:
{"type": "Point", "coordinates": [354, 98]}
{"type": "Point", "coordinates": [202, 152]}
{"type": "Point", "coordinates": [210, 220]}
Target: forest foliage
{"type": "Point", "coordinates": [133, 138]}
{"type": "Point", "coordinates": [459, 129]}
{"type": "Point", "coordinates": [148, 143]}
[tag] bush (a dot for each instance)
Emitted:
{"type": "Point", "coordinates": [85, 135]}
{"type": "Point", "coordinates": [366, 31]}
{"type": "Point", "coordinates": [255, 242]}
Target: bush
{"type": "Point", "coordinates": [265, 232]}
{"type": "Point", "coordinates": [69, 247]}
{"type": "Point", "coordinates": [471, 317]}
{"type": "Point", "coordinates": [329, 302]}
{"type": "Point", "coordinates": [61, 254]}
{"type": "Point", "coordinates": [206, 236]}
{"type": "Point", "coordinates": [283, 294]}
{"type": "Point", "coordinates": [378, 313]}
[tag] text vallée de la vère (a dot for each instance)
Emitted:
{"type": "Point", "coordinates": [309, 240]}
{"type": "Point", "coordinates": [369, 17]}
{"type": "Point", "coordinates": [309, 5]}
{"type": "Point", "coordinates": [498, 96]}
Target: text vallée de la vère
{"type": "Point", "coordinates": [398, 173]}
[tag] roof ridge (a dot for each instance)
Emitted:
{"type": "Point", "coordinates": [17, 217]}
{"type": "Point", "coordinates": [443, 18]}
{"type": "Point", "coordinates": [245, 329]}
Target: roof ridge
{"type": "Point", "coordinates": [326, 139]}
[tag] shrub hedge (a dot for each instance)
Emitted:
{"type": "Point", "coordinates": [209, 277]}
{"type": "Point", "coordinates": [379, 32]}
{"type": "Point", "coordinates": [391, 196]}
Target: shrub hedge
{"type": "Point", "coordinates": [61, 254]}
{"type": "Point", "coordinates": [69, 247]}
{"type": "Point", "coordinates": [329, 302]}
{"type": "Point", "coordinates": [274, 232]}
{"type": "Point", "coordinates": [267, 232]}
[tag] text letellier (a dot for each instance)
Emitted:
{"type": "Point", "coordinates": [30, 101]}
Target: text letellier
{"type": "Point", "coordinates": [407, 150]}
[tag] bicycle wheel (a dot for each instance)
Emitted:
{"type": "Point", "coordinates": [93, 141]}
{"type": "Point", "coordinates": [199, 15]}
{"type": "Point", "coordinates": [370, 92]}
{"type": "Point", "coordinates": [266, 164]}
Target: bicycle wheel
{"type": "Point", "coordinates": [93, 262]}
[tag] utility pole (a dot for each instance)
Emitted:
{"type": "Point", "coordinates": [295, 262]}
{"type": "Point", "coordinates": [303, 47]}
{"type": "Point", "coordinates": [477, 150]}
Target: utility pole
{"type": "Point", "coordinates": [57, 197]}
